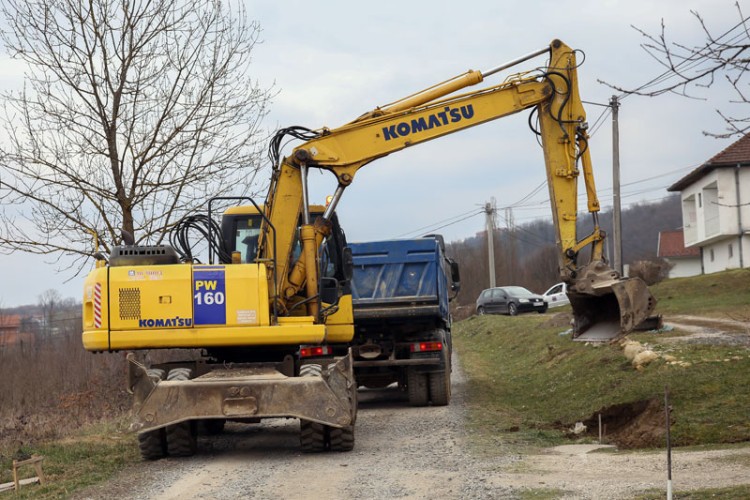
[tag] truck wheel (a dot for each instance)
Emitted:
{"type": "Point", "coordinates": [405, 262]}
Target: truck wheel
{"type": "Point", "coordinates": [342, 439]}
{"type": "Point", "coordinates": [416, 386]}
{"type": "Point", "coordinates": [440, 382]}
{"type": "Point", "coordinates": [440, 388]}
{"type": "Point", "coordinates": [181, 438]}
{"type": "Point", "coordinates": [312, 436]}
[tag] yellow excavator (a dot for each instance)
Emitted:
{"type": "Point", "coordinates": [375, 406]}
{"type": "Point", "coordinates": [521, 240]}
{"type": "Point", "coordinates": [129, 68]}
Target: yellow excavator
{"type": "Point", "coordinates": [251, 313]}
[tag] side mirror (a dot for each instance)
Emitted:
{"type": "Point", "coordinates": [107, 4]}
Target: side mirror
{"type": "Point", "coordinates": [455, 276]}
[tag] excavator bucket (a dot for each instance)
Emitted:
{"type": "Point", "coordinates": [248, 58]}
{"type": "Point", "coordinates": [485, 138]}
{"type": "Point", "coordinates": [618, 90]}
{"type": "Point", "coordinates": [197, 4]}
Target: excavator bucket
{"type": "Point", "coordinates": [606, 306]}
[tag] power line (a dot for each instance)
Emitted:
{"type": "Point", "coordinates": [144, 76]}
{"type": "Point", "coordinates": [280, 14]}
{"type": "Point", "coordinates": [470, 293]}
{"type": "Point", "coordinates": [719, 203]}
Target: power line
{"type": "Point", "coordinates": [432, 228]}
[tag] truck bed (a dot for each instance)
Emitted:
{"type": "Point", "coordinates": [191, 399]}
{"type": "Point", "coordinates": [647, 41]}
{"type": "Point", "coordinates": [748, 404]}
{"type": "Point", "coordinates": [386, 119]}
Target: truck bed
{"type": "Point", "coordinates": [397, 279]}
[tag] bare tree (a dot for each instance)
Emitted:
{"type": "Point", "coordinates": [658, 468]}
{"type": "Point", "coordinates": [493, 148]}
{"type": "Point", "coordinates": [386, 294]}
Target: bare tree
{"type": "Point", "coordinates": [132, 113]}
{"type": "Point", "coordinates": [691, 69]}
{"type": "Point", "coordinates": [49, 302]}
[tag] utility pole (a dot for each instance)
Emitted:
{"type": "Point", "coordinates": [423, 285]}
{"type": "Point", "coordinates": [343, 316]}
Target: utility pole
{"type": "Point", "coordinates": [512, 237]}
{"type": "Point", "coordinates": [616, 220]}
{"type": "Point", "coordinates": [489, 210]}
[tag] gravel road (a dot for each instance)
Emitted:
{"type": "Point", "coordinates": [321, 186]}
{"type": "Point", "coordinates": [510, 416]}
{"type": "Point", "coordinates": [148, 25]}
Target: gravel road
{"type": "Point", "coordinates": [409, 453]}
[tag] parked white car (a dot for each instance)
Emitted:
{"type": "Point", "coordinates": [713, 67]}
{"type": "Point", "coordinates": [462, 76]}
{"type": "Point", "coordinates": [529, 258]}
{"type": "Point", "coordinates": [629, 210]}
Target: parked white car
{"type": "Point", "coordinates": [556, 295]}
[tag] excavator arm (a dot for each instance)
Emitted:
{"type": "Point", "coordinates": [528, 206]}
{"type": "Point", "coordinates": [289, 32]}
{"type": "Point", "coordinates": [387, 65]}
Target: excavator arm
{"type": "Point", "coordinates": [439, 111]}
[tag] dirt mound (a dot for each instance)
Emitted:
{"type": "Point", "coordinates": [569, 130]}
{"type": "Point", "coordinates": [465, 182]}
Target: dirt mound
{"type": "Point", "coordinates": [640, 424]}
{"type": "Point", "coordinates": [559, 320]}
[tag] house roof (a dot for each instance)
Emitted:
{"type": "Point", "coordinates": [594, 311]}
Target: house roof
{"type": "Point", "coordinates": [10, 322]}
{"type": "Point", "coordinates": [672, 244]}
{"type": "Point", "coordinates": [736, 154]}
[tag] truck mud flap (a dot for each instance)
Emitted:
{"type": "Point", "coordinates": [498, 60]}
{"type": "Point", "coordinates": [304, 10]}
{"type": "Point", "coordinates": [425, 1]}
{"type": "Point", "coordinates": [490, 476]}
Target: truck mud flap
{"type": "Point", "coordinates": [606, 307]}
{"type": "Point", "coordinates": [243, 393]}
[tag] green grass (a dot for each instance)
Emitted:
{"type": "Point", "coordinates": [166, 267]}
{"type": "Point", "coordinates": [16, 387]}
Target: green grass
{"type": "Point", "coordinates": [540, 494]}
{"type": "Point", "coordinates": [720, 294]}
{"type": "Point", "coordinates": [527, 383]}
{"type": "Point", "coordinates": [74, 463]}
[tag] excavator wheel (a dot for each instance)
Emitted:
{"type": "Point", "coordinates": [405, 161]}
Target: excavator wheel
{"type": "Point", "coordinates": [312, 436]}
{"type": "Point", "coordinates": [181, 438]}
{"type": "Point", "coordinates": [153, 444]}
{"type": "Point", "coordinates": [342, 439]}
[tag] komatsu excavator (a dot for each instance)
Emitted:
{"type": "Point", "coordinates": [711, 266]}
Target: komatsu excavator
{"type": "Point", "coordinates": [250, 314]}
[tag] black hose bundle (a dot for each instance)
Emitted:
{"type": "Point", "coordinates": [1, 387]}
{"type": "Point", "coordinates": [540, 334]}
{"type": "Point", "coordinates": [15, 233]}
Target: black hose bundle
{"type": "Point", "coordinates": [179, 238]}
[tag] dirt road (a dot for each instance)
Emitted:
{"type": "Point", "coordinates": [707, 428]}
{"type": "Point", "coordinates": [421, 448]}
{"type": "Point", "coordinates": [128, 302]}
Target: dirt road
{"type": "Point", "coordinates": [410, 453]}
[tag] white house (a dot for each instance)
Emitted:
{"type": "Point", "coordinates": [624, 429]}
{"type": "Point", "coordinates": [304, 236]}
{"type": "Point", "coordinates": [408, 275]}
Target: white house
{"type": "Point", "coordinates": [716, 208]}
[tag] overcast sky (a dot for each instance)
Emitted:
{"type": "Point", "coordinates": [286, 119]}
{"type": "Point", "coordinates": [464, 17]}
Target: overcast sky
{"type": "Point", "coordinates": [331, 61]}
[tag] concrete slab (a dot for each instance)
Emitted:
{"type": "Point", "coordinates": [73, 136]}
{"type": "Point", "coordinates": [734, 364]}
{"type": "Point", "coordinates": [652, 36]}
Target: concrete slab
{"type": "Point", "coordinates": [581, 449]}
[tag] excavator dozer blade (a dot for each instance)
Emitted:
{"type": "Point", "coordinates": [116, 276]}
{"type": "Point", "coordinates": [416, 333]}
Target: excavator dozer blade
{"type": "Point", "coordinates": [606, 307]}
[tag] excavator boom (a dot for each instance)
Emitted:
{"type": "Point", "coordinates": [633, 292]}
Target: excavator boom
{"type": "Point", "coordinates": [599, 295]}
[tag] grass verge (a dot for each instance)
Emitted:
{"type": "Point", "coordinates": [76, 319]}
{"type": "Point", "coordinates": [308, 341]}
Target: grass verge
{"type": "Point", "coordinates": [719, 294]}
{"type": "Point", "coordinates": [73, 463]}
{"type": "Point", "coordinates": [528, 384]}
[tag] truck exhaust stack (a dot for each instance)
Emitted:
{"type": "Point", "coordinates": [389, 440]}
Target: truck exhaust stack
{"type": "Point", "coordinates": [606, 306]}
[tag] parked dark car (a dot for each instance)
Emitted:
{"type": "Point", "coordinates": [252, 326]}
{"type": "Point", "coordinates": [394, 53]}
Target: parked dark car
{"type": "Point", "coordinates": [510, 300]}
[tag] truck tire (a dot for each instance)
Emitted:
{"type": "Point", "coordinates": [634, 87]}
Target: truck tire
{"type": "Point", "coordinates": [181, 438]}
{"type": "Point", "coordinates": [153, 444]}
{"type": "Point", "coordinates": [440, 382]}
{"type": "Point", "coordinates": [416, 386]}
{"type": "Point", "coordinates": [440, 388]}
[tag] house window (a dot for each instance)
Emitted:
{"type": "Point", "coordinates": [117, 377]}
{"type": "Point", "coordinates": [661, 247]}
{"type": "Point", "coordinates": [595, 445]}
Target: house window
{"type": "Point", "coordinates": [712, 255]}
{"type": "Point", "coordinates": [700, 200]}
{"type": "Point", "coordinates": [731, 253]}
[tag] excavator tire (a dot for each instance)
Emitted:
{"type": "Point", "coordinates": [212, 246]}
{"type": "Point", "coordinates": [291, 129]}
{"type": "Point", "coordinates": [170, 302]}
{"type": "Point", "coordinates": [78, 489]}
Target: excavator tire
{"type": "Point", "coordinates": [313, 437]}
{"type": "Point", "coordinates": [311, 370]}
{"type": "Point", "coordinates": [416, 387]}
{"type": "Point", "coordinates": [153, 444]}
{"type": "Point", "coordinates": [342, 439]}
{"type": "Point", "coordinates": [181, 438]}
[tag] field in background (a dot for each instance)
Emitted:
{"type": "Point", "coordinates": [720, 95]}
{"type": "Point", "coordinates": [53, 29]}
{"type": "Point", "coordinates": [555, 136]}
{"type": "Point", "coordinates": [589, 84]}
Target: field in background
{"type": "Point", "coordinates": [52, 385]}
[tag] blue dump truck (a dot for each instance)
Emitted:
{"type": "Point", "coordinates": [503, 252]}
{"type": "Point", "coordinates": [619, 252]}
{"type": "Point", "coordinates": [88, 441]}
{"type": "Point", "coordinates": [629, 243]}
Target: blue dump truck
{"type": "Point", "coordinates": [402, 320]}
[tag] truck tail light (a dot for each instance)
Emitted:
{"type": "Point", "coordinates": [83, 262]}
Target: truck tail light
{"type": "Point", "coordinates": [426, 346]}
{"type": "Point", "coordinates": [314, 351]}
